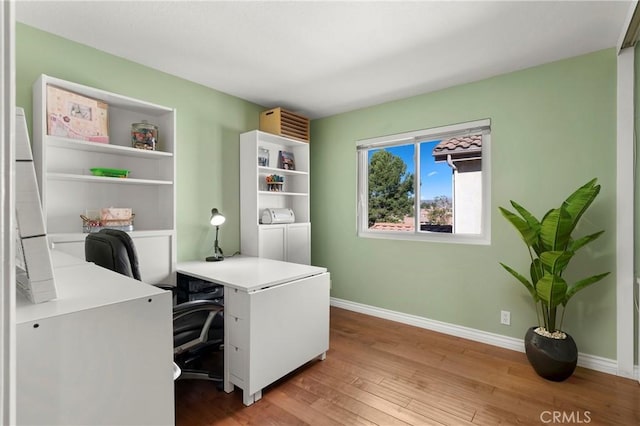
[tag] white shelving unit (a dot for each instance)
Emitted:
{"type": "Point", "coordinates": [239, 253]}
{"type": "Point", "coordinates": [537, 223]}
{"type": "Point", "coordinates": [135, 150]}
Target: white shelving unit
{"type": "Point", "coordinates": [288, 242]}
{"type": "Point", "coordinates": [68, 188]}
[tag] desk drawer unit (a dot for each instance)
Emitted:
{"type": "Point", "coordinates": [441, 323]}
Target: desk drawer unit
{"type": "Point", "coordinates": [237, 303]}
{"type": "Point", "coordinates": [238, 337]}
{"type": "Point", "coordinates": [275, 330]}
{"type": "Point", "coordinates": [237, 362]}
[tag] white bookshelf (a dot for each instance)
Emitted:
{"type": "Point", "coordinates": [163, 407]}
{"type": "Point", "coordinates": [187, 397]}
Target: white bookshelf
{"type": "Point", "coordinates": [288, 242]}
{"type": "Point", "coordinates": [68, 187]}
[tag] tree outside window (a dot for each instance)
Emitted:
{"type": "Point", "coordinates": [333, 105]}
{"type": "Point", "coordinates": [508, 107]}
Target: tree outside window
{"type": "Point", "coordinates": [390, 187]}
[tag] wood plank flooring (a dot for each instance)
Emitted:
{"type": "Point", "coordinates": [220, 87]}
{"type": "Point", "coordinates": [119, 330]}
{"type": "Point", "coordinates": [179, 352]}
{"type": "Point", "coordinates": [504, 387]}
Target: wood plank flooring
{"type": "Point", "coordinates": [379, 372]}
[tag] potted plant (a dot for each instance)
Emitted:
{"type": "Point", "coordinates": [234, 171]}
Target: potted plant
{"type": "Point", "coordinates": [552, 352]}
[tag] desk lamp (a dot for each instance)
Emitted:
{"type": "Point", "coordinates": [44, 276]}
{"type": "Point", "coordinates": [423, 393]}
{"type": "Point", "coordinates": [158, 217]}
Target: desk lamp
{"type": "Point", "coordinates": [216, 220]}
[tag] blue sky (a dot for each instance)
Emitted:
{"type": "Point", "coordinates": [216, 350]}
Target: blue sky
{"type": "Point", "coordinates": [436, 177]}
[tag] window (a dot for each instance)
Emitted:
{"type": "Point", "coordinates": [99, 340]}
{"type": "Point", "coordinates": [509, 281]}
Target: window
{"type": "Point", "coordinates": [429, 184]}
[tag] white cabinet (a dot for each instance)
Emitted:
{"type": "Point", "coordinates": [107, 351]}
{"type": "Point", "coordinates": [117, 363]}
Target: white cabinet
{"type": "Point", "coordinates": [287, 242]}
{"type": "Point", "coordinates": [274, 331]}
{"type": "Point", "coordinates": [276, 318]}
{"type": "Point", "coordinates": [68, 188]}
{"type": "Point", "coordinates": [299, 243]}
{"type": "Point", "coordinates": [101, 353]}
{"type": "Point", "coordinates": [260, 153]}
{"type": "Point", "coordinates": [272, 242]}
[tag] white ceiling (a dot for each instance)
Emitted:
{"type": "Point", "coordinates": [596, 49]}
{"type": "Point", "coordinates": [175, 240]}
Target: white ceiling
{"type": "Point", "coordinates": [321, 58]}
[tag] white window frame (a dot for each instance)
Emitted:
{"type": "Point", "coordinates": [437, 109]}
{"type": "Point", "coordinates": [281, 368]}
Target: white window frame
{"type": "Point", "coordinates": [460, 129]}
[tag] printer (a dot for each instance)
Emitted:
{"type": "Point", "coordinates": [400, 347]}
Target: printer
{"type": "Point", "coordinates": [272, 216]}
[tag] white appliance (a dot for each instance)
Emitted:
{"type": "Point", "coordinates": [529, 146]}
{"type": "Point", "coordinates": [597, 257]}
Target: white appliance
{"type": "Point", "coordinates": [271, 216]}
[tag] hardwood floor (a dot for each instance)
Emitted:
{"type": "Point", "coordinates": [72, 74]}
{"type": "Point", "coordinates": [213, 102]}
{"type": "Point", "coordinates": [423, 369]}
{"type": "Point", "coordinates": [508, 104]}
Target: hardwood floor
{"type": "Point", "coordinates": [379, 372]}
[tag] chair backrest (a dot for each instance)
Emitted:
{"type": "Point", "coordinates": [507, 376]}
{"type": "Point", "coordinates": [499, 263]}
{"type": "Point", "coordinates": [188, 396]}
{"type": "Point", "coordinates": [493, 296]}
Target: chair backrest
{"type": "Point", "coordinates": [113, 251]}
{"type": "Point", "coordinates": [127, 241]}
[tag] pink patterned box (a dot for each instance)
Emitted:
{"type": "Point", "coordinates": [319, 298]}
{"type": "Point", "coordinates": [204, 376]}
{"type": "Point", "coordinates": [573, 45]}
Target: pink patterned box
{"type": "Point", "coordinates": [74, 116]}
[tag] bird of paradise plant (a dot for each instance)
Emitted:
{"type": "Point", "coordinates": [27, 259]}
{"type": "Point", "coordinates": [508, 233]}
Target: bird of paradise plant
{"type": "Point", "coordinates": [551, 247]}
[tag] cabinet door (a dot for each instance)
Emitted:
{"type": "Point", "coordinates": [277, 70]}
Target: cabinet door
{"type": "Point", "coordinates": [154, 258]}
{"type": "Point", "coordinates": [299, 243]}
{"type": "Point", "coordinates": [272, 242]}
{"type": "Point", "coordinates": [154, 255]}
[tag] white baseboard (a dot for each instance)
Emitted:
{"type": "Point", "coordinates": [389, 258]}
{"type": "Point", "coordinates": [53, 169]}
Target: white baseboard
{"type": "Point", "coordinates": [592, 362]}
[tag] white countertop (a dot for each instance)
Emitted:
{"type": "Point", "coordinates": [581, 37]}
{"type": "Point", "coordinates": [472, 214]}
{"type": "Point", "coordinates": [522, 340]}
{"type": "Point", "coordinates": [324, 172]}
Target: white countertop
{"type": "Point", "coordinates": [82, 285]}
{"type": "Point", "coordinates": [248, 273]}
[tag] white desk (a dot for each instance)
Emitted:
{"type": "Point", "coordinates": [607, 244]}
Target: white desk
{"type": "Point", "coordinates": [101, 353]}
{"type": "Point", "coordinates": [276, 318]}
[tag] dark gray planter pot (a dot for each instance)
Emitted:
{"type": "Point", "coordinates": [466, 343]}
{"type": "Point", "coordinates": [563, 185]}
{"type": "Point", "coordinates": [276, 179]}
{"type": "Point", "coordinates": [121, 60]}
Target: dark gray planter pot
{"type": "Point", "coordinates": [552, 359]}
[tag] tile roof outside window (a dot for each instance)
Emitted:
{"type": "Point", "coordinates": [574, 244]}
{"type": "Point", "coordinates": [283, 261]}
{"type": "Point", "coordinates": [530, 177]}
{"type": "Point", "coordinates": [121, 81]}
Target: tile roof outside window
{"type": "Point", "coordinates": [406, 225]}
{"type": "Point", "coordinates": [466, 146]}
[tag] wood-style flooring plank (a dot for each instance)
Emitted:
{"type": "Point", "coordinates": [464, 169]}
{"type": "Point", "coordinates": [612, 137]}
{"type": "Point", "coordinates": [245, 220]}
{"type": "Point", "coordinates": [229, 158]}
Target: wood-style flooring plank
{"type": "Point", "coordinates": [379, 372]}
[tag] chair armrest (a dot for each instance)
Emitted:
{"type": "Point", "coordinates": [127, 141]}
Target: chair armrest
{"type": "Point", "coordinates": [188, 308]}
{"type": "Point", "coordinates": [168, 287]}
{"type": "Point", "coordinates": [211, 308]}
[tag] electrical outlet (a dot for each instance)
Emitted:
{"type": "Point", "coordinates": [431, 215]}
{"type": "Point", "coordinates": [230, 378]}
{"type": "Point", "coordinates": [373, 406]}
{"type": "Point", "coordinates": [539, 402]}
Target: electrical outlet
{"type": "Point", "coordinates": [505, 317]}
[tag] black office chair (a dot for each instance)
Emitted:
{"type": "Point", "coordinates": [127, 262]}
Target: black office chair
{"type": "Point", "coordinates": [198, 326]}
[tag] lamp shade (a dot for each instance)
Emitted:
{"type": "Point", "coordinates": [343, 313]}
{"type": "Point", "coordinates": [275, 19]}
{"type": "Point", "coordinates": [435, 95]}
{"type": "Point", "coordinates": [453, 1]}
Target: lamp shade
{"type": "Point", "coordinates": [216, 218]}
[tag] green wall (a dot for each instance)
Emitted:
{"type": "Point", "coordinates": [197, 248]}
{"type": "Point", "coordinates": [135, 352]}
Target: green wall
{"type": "Point", "coordinates": [208, 127]}
{"type": "Point", "coordinates": [553, 129]}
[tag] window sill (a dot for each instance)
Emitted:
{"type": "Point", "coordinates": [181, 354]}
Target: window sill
{"type": "Point", "coordinates": [431, 237]}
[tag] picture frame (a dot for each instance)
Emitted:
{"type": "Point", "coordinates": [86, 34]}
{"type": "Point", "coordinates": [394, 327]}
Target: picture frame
{"type": "Point", "coordinates": [286, 160]}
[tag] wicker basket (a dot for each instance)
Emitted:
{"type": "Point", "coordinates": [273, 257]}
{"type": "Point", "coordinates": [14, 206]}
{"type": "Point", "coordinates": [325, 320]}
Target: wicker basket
{"type": "Point", "coordinates": [94, 225]}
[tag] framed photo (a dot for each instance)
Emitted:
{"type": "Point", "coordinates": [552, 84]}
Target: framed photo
{"type": "Point", "coordinates": [286, 161]}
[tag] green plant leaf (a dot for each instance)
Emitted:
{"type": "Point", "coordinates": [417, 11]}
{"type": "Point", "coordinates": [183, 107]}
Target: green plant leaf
{"type": "Point", "coordinates": [536, 271]}
{"type": "Point", "coordinates": [580, 242]}
{"type": "Point", "coordinates": [578, 202]}
{"type": "Point", "coordinates": [528, 234]}
{"type": "Point", "coordinates": [533, 222]}
{"type": "Point", "coordinates": [528, 217]}
{"type": "Point", "coordinates": [555, 261]}
{"type": "Point", "coordinates": [576, 287]}
{"type": "Point", "coordinates": [523, 280]}
{"type": "Point", "coordinates": [552, 290]}
{"type": "Point", "coordinates": [555, 230]}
